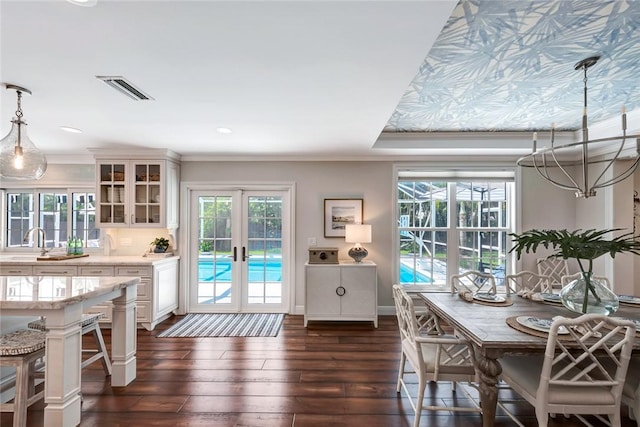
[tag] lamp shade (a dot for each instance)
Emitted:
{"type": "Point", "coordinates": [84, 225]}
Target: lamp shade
{"type": "Point", "coordinates": [357, 233]}
{"type": "Point", "coordinates": [20, 159]}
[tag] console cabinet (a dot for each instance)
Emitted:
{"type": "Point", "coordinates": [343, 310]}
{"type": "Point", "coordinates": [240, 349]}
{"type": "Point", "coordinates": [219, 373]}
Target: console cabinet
{"type": "Point", "coordinates": [345, 291]}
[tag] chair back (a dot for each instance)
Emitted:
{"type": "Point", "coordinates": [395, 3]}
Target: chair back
{"type": "Point", "coordinates": [405, 312]}
{"type": "Point", "coordinates": [554, 268]}
{"type": "Point", "coordinates": [566, 279]}
{"type": "Point", "coordinates": [602, 341]}
{"type": "Point", "coordinates": [526, 281]}
{"type": "Point", "coordinates": [473, 281]}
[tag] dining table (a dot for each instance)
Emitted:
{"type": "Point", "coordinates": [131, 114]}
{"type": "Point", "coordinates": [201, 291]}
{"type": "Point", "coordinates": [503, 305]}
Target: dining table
{"type": "Point", "coordinates": [487, 327]}
{"type": "Point", "coordinates": [61, 301]}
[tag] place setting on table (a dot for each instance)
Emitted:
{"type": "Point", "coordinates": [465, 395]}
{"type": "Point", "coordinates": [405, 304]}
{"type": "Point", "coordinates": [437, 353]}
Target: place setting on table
{"type": "Point", "coordinates": [485, 298]}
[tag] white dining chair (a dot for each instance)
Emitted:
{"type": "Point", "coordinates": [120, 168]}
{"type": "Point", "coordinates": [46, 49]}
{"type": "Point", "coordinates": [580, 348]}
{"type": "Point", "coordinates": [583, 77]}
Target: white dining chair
{"type": "Point", "coordinates": [432, 358]}
{"type": "Point", "coordinates": [572, 376]}
{"type": "Point", "coordinates": [473, 281]}
{"type": "Point", "coordinates": [554, 268]}
{"type": "Point", "coordinates": [566, 279]}
{"type": "Point", "coordinates": [526, 281]}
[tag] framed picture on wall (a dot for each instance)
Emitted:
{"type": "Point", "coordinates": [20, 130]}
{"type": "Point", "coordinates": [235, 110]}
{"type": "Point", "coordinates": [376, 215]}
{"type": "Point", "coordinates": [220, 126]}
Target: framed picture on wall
{"type": "Point", "coordinates": [340, 212]}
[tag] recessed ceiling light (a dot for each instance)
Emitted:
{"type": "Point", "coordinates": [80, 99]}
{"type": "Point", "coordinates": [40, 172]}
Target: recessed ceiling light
{"type": "Point", "coordinates": [70, 129]}
{"type": "Point", "coordinates": [85, 3]}
{"type": "Point", "coordinates": [224, 130]}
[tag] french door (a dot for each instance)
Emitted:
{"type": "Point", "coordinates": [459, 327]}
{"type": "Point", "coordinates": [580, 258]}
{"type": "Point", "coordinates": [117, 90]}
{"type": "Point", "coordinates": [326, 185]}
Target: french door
{"type": "Point", "coordinates": [238, 249]}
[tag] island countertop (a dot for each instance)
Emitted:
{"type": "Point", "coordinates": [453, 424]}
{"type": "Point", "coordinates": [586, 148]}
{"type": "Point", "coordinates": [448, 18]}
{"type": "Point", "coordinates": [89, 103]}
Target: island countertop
{"type": "Point", "coordinates": [55, 292]}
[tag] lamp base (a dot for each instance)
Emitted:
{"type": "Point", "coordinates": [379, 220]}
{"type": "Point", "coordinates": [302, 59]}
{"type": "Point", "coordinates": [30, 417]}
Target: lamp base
{"type": "Point", "coordinates": [358, 254]}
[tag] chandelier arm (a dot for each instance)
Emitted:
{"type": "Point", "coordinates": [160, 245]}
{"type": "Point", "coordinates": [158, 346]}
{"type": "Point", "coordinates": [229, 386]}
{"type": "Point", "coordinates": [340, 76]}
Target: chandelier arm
{"type": "Point", "coordinates": [552, 150]}
{"type": "Point", "coordinates": [545, 175]}
{"type": "Point", "coordinates": [595, 183]}
{"type": "Point", "coordinates": [624, 175]}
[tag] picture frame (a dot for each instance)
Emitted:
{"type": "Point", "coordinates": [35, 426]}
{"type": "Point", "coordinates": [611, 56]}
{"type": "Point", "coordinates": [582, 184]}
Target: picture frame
{"type": "Point", "coordinates": [340, 212]}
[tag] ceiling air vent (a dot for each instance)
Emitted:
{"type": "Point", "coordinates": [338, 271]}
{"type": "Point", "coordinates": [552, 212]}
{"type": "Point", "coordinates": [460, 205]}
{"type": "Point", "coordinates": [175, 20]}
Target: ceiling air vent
{"type": "Point", "coordinates": [126, 87]}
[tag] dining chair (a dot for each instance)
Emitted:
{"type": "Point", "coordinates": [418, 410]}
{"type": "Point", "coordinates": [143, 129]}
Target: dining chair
{"type": "Point", "coordinates": [554, 268]}
{"type": "Point", "coordinates": [631, 390]}
{"type": "Point", "coordinates": [473, 281]}
{"type": "Point", "coordinates": [526, 281]}
{"type": "Point", "coordinates": [21, 350]}
{"type": "Point", "coordinates": [572, 376]}
{"type": "Point", "coordinates": [432, 358]}
{"type": "Point", "coordinates": [568, 278]}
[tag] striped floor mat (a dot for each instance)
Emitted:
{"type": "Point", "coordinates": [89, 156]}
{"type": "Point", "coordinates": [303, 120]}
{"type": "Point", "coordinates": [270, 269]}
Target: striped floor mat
{"type": "Point", "coordinates": [226, 325]}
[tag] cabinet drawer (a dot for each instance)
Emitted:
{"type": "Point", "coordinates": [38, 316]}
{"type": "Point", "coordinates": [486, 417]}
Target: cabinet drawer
{"type": "Point", "coordinates": [16, 270]}
{"type": "Point", "coordinates": [87, 270]}
{"type": "Point", "coordinates": [144, 290]}
{"type": "Point", "coordinates": [55, 270]}
{"type": "Point", "coordinates": [105, 309]}
{"type": "Point", "coordinates": [143, 311]}
{"type": "Point", "coordinates": [133, 271]}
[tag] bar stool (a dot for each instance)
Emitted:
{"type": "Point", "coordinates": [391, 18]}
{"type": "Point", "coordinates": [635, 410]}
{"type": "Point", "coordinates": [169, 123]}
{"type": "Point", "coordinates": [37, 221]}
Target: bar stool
{"type": "Point", "coordinates": [89, 323]}
{"type": "Point", "coordinates": [21, 349]}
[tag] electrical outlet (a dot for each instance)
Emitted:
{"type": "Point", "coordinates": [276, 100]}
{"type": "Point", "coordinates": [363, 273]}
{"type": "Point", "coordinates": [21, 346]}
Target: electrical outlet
{"type": "Point", "coordinates": [311, 241]}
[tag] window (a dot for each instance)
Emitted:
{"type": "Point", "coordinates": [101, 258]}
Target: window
{"type": "Point", "coordinates": [450, 224]}
{"type": "Point", "coordinates": [61, 213]}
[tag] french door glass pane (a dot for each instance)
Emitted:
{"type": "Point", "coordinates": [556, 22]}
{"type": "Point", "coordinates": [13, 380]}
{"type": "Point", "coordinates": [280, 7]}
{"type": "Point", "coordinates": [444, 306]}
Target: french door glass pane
{"type": "Point", "coordinates": [215, 251]}
{"type": "Point", "coordinates": [264, 276]}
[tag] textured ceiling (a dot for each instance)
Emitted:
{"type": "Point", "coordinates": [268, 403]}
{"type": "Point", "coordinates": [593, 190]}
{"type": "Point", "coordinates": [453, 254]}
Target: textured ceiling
{"type": "Point", "coordinates": [509, 66]}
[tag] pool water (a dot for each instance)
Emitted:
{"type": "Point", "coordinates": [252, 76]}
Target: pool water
{"type": "Point", "coordinates": [271, 271]}
{"type": "Point", "coordinates": [220, 269]}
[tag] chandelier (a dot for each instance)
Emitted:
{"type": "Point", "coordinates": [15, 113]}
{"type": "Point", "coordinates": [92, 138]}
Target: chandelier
{"type": "Point", "coordinates": [19, 157]}
{"type": "Point", "coordinates": [571, 166]}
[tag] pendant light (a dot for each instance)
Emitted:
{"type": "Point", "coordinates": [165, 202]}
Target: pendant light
{"type": "Point", "coordinates": [20, 159]}
{"type": "Point", "coordinates": [570, 166]}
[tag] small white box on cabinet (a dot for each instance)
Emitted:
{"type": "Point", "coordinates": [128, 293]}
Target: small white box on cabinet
{"type": "Point", "coordinates": [344, 291]}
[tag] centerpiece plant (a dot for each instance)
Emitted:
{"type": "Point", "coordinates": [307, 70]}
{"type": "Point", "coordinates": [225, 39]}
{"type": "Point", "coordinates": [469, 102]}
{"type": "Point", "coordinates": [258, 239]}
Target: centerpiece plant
{"type": "Point", "coordinates": [584, 247]}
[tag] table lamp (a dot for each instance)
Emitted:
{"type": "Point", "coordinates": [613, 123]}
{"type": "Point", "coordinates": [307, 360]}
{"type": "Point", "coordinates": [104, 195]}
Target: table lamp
{"type": "Point", "coordinates": [358, 233]}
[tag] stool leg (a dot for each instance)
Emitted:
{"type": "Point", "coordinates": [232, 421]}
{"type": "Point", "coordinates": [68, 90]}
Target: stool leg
{"type": "Point", "coordinates": [102, 348]}
{"type": "Point", "coordinates": [20, 399]}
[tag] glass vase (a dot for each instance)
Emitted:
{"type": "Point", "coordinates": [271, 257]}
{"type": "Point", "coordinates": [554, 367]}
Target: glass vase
{"type": "Point", "coordinates": [599, 298]}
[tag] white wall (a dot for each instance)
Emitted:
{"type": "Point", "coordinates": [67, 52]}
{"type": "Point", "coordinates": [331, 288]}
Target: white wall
{"type": "Point", "coordinates": [542, 206]}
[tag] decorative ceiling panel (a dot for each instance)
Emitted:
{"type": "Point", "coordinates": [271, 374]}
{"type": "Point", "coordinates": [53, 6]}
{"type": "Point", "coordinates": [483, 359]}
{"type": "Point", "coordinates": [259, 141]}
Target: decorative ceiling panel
{"type": "Point", "coordinates": [509, 66]}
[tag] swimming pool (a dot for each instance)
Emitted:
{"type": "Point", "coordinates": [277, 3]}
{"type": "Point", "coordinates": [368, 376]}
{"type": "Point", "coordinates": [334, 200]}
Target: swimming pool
{"type": "Point", "coordinates": [261, 270]}
{"type": "Point", "coordinates": [407, 275]}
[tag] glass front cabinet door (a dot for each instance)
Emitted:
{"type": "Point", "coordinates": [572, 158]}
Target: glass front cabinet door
{"type": "Point", "coordinates": [136, 193]}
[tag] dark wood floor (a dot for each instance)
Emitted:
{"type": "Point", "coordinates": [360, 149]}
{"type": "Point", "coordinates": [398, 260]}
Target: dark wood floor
{"type": "Point", "coordinates": [327, 375]}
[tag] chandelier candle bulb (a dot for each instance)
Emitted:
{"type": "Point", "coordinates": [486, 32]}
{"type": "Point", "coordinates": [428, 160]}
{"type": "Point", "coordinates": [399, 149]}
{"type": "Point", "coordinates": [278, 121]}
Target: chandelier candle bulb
{"type": "Point", "coordinates": [624, 118]}
{"type": "Point", "coordinates": [535, 140]}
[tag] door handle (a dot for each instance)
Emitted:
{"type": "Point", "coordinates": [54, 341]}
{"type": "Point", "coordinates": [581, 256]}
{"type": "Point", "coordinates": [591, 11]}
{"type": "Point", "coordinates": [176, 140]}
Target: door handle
{"type": "Point", "coordinates": [235, 253]}
{"type": "Point", "coordinates": [244, 254]}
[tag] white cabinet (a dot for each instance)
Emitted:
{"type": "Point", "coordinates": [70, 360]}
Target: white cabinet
{"type": "Point", "coordinates": [346, 291]}
{"type": "Point", "coordinates": [140, 193]}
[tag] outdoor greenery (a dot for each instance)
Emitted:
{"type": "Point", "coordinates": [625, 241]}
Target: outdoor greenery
{"type": "Point", "coordinates": [579, 245]}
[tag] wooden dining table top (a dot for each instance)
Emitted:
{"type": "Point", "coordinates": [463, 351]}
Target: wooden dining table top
{"type": "Point", "coordinates": [485, 325]}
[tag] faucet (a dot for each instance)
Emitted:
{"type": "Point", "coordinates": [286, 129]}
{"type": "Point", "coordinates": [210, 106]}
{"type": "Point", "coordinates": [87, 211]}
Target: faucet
{"type": "Point", "coordinates": [43, 250]}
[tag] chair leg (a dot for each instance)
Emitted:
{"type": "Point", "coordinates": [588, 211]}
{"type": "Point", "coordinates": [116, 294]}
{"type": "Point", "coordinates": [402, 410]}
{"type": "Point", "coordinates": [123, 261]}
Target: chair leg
{"type": "Point", "coordinates": [543, 417]}
{"type": "Point", "coordinates": [422, 385]}
{"type": "Point", "coordinates": [403, 359]}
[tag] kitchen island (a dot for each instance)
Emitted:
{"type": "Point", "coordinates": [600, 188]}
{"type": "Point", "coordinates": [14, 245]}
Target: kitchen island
{"type": "Point", "coordinates": [63, 307]}
{"type": "Point", "coordinates": [157, 290]}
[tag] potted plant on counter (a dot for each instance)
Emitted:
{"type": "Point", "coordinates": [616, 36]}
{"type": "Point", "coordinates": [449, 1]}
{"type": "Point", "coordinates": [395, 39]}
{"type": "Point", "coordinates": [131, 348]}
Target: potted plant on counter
{"type": "Point", "coordinates": [160, 244]}
{"type": "Point", "coordinates": [585, 294]}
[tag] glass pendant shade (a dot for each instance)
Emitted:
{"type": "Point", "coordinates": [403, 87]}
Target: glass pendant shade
{"type": "Point", "coordinates": [20, 159]}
